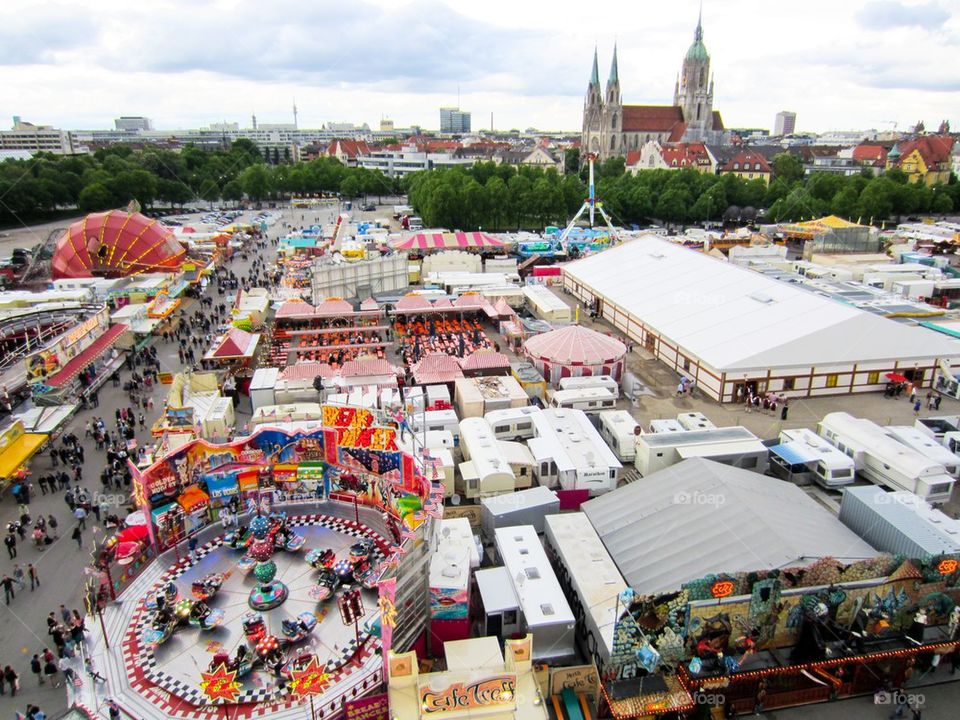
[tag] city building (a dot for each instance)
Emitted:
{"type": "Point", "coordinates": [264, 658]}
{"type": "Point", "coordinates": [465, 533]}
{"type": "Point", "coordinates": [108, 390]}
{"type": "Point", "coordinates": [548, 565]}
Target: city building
{"type": "Point", "coordinates": [611, 129]}
{"type": "Point", "coordinates": [135, 122]}
{"type": "Point", "coordinates": [408, 159]}
{"type": "Point", "coordinates": [796, 342]}
{"type": "Point", "coordinates": [32, 138]}
{"type": "Point", "coordinates": [926, 159]}
{"type": "Point", "coordinates": [671, 156]}
{"type": "Point", "coordinates": [347, 151]}
{"type": "Point", "coordinates": [747, 164]}
{"type": "Point", "coordinates": [454, 120]}
{"type": "Point", "coordinates": [785, 123]}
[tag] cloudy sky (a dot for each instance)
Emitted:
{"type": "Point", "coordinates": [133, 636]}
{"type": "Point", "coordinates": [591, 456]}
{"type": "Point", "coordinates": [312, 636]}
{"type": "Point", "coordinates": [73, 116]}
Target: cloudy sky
{"type": "Point", "coordinates": [840, 64]}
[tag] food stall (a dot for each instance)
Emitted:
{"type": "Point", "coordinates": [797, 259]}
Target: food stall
{"type": "Point", "coordinates": [196, 505]}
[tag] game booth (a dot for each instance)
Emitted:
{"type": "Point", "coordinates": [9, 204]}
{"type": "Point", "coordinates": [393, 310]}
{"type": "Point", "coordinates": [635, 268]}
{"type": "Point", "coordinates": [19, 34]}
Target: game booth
{"type": "Point", "coordinates": [304, 540]}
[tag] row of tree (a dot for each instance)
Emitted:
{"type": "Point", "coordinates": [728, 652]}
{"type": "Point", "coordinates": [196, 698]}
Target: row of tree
{"type": "Point", "coordinates": [113, 176]}
{"type": "Point", "coordinates": [500, 197]}
{"type": "Point", "coordinates": [485, 195]}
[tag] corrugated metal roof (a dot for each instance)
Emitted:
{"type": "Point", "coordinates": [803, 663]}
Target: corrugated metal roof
{"type": "Point", "coordinates": [909, 515]}
{"type": "Point", "coordinates": [701, 517]}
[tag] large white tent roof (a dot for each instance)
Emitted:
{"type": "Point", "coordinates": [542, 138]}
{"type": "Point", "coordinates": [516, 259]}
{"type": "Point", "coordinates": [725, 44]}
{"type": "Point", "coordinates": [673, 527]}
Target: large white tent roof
{"type": "Point", "coordinates": [700, 517]}
{"type": "Point", "coordinates": [736, 319]}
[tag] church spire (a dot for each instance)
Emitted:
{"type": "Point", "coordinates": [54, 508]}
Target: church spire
{"type": "Point", "coordinates": [595, 75]}
{"type": "Point", "coordinates": [614, 71]}
{"type": "Point", "coordinates": [698, 33]}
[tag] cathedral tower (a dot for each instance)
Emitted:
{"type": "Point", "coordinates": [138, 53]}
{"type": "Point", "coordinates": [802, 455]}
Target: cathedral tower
{"type": "Point", "coordinates": [593, 112]}
{"type": "Point", "coordinates": [695, 90]}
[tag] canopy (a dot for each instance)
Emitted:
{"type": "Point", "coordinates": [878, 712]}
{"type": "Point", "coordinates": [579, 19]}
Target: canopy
{"type": "Point", "coordinates": [93, 351]}
{"type": "Point", "coordinates": [116, 244]}
{"type": "Point", "coordinates": [192, 497]}
{"type": "Point", "coordinates": [235, 344]}
{"type": "Point", "coordinates": [575, 345]}
{"type": "Point", "coordinates": [896, 377]}
{"type": "Point", "coordinates": [795, 453]}
{"type": "Point", "coordinates": [447, 241]}
{"type": "Point", "coordinates": [18, 452]}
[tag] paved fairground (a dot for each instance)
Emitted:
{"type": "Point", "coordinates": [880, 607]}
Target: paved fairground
{"type": "Point", "coordinates": [111, 643]}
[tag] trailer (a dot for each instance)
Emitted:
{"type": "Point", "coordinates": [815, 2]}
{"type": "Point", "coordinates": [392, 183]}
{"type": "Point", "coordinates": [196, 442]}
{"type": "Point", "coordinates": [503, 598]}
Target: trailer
{"type": "Point", "coordinates": [927, 446]}
{"type": "Point", "coordinates": [591, 580]}
{"type": "Point", "coordinates": [885, 461]}
{"type": "Point", "coordinates": [591, 400]}
{"type": "Point", "coordinates": [619, 429]}
{"type": "Point", "coordinates": [484, 471]}
{"type": "Point", "coordinates": [570, 454]}
{"type": "Point", "coordinates": [734, 446]}
{"type": "Point", "coordinates": [524, 507]}
{"type": "Point", "coordinates": [803, 457]}
{"type": "Point", "coordinates": [512, 423]}
{"type": "Point", "coordinates": [544, 304]}
{"type": "Point", "coordinates": [436, 421]}
{"type": "Point", "coordinates": [544, 610]}
{"type": "Point", "coordinates": [476, 396]}
{"type": "Point", "coordinates": [583, 382]}
{"type": "Point", "coordinates": [694, 421]}
{"type": "Point", "coordinates": [666, 425]}
{"type": "Point", "coordinates": [262, 387]}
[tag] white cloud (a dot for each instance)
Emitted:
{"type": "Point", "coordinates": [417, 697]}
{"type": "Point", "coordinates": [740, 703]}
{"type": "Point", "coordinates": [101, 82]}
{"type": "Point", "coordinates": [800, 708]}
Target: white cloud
{"type": "Point", "coordinates": [851, 64]}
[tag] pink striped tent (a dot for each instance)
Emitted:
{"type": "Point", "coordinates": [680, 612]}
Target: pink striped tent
{"type": "Point", "coordinates": [448, 241]}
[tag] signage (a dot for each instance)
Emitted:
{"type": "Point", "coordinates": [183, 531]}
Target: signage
{"type": "Point", "coordinates": [722, 589]}
{"type": "Point", "coordinates": [80, 330]}
{"type": "Point", "coordinates": [492, 692]}
{"type": "Point", "coordinates": [375, 707]}
{"type": "Point", "coordinates": [947, 566]}
{"type": "Point", "coordinates": [311, 680]}
{"type": "Point", "coordinates": [580, 678]}
{"type": "Point", "coordinates": [11, 435]}
{"type": "Point", "coordinates": [367, 438]}
{"type": "Point", "coordinates": [165, 378]}
{"type": "Point", "coordinates": [471, 512]}
{"type": "Point", "coordinates": [346, 417]}
{"type": "Point", "coordinates": [221, 684]}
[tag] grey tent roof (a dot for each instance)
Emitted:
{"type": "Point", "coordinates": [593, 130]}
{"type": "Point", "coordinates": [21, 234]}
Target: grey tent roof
{"type": "Point", "coordinates": [701, 517]}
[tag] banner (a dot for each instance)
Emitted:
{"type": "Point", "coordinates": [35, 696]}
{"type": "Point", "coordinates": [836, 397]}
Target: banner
{"type": "Point", "coordinates": [375, 707]}
{"type": "Point", "coordinates": [492, 692]}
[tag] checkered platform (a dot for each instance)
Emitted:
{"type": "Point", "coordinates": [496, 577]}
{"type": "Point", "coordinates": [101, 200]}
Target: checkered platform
{"type": "Point", "coordinates": [141, 662]}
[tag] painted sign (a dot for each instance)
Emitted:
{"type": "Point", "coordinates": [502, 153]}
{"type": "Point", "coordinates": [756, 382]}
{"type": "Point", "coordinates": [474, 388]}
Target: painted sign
{"type": "Point", "coordinates": [346, 417]}
{"type": "Point", "coordinates": [489, 693]}
{"type": "Point", "coordinates": [579, 678]}
{"type": "Point", "coordinates": [947, 566]}
{"type": "Point", "coordinates": [471, 512]}
{"type": "Point", "coordinates": [722, 588]}
{"type": "Point", "coordinates": [311, 680]}
{"type": "Point", "coordinates": [449, 603]}
{"type": "Point", "coordinates": [11, 435]}
{"type": "Point", "coordinates": [221, 684]}
{"type": "Point", "coordinates": [375, 707]}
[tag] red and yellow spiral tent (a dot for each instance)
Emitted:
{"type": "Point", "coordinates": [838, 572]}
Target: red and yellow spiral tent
{"type": "Point", "coordinates": [116, 244]}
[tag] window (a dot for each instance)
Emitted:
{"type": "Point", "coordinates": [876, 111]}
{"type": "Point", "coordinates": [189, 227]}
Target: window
{"type": "Point", "coordinates": [524, 551]}
{"type": "Point", "coordinates": [544, 468]}
{"type": "Point", "coordinates": [873, 378]}
{"type": "Point", "coordinates": [789, 383]}
{"type": "Point", "coordinates": [510, 617]}
{"type": "Point", "coordinates": [524, 425]}
{"type": "Point", "coordinates": [547, 609]}
{"type": "Point", "coordinates": [472, 484]}
{"type": "Point", "coordinates": [832, 380]}
{"type": "Point", "coordinates": [757, 166]}
{"type": "Point", "coordinates": [736, 166]}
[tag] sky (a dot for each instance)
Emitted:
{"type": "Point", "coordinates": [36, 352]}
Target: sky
{"type": "Point", "coordinates": [839, 64]}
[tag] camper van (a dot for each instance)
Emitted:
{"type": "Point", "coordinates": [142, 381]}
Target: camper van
{"type": "Point", "coordinates": [570, 453]}
{"type": "Point", "coordinates": [619, 429]}
{"type": "Point", "coordinates": [666, 425]}
{"type": "Point", "coordinates": [512, 423]}
{"type": "Point", "coordinates": [436, 420]}
{"type": "Point", "coordinates": [885, 461]}
{"type": "Point", "coordinates": [591, 381]}
{"type": "Point", "coordinates": [590, 400]}
{"type": "Point", "coordinates": [694, 421]}
{"type": "Point", "coordinates": [802, 456]}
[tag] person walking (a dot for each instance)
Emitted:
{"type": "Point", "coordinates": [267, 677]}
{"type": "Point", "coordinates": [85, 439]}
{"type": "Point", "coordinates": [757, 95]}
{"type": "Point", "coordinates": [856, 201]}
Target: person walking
{"type": "Point", "coordinates": [18, 576]}
{"type": "Point", "coordinates": [36, 667]}
{"type": "Point", "coordinates": [7, 583]}
{"type": "Point", "coordinates": [50, 670]}
{"type": "Point", "coordinates": [65, 615]}
{"type": "Point", "coordinates": [916, 406]}
{"type": "Point", "coordinates": [80, 515]}
{"type": "Point", "coordinates": [52, 525]}
{"type": "Point", "coordinates": [68, 675]}
{"type": "Point", "coordinates": [192, 547]}
{"type": "Point", "coordinates": [11, 542]}
{"type": "Point", "coordinates": [13, 680]}
{"type": "Point", "coordinates": [34, 576]}
{"type": "Point", "coordinates": [900, 703]}
{"type": "Point", "coordinates": [78, 536]}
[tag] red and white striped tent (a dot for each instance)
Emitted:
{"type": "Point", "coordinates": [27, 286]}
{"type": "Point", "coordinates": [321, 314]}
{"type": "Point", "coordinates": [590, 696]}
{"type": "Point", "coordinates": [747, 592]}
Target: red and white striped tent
{"type": "Point", "coordinates": [575, 351]}
{"type": "Point", "coordinates": [448, 241]}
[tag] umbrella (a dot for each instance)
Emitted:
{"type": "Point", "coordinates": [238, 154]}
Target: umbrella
{"type": "Point", "coordinates": [135, 533]}
{"type": "Point", "coordinates": [895, 377]}
{"type": "Point", "coordinates": [126, 552]}
{"type": "Point", "coordinates": [136, 518]}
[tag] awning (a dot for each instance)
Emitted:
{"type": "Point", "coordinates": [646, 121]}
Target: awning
{"type": "Point", "coordinates": [18, 452]}
{"type": "Point", "coordinates": [793, 453]}
{"type": "Point", "coordinates": [895, 377]}
{"type": "Point", "coordinates": [97, 348]}
{"type": "Point", "coordinates": [447, 241]}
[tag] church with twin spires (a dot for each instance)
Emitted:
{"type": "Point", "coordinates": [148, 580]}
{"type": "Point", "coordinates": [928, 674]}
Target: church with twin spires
{"type": "Point", "coordinates": [612, 129]}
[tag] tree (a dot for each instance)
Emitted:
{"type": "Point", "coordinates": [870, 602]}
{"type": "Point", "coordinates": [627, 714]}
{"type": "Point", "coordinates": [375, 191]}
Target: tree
{"type": "Point", "coordinates": [255, 181]}
{"type": "Point", "coordinates": [672, 205]}
{"type": "Point", "coordinates": [95, 197]}
{"type": "Point", "coordinates": [137, 185]}
{"type": "Point", "coordinates": [350, 186]}
{"type": "Point", "coordinates": [876, 200]}
{"type": "Point", "coordinates": [612, 167]}
{"type": "Point", "coordinates": [942, 204]}
{"type": "Point", "coordinates": [571, 160]}
{"type": "Point", "coordinates": [787, 167]}
{"type": "Point", "coordinates": [233, 191]}
{"type": "Point", "coordinates": [496, 200]}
